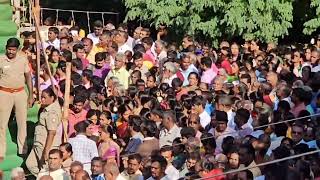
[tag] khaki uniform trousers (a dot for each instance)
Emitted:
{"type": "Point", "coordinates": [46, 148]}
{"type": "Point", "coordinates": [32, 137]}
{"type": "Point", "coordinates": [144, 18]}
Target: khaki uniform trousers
{"type": "Point", "coordinates": [33, 162]}
{"type": "Point", "coordinates": [8, 101]}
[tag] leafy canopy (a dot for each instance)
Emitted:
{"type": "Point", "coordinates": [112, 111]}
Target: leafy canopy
{"type": "Point", "coordinates": [266, 20]}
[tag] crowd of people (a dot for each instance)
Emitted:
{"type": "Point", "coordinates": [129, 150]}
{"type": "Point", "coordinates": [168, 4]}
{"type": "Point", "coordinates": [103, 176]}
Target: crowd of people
{"type": "Point", "coordinates": [144, 107]}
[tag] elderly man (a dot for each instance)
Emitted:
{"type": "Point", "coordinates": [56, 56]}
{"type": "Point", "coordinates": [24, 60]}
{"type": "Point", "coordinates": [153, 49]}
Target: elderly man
{"type": "Point", "coordinates": [119, 71]}
{"type": "Point", "coordinates": [170, 130]}
{"type": "Point", "coordinates": [169, 72]}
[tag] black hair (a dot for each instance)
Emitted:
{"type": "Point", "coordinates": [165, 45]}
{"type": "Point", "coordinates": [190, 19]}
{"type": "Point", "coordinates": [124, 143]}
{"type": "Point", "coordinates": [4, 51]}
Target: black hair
{"type": "Point", "coordinates": [149, 128]}
{"type": "Point", "coordinates": [199, 100]}
{"type": "Point", "coordinates": [137, 55]}
{"type": "Point", "coordinates": [206, 61]}
{"type": "Point", "coordinates": [242, 115]}
{"type": "Point", "coordinates": [97, 159]}
{"type": "Point", "coordinates": [135, 122]}
{"type": "Point", "coordinates": [135, 156]}
{"type": "Point", "coordinates": [176, 82]}
{"type": "Point", "coordinates": [228, 145]}
{"type": "Point", "coordinates": [54, 30]}
{"type": "Point", "coordinates": [207, 139]}
{"type": "Point", "coordinates": [161, 160]}
{"type": "Point", "coordinates": [96, 81]}
{"type": "Point", "coordinates": [187, 132]}
{"type": "Point", "coordinates": [132, 91]}
{"type": "Point", "coordinates": [147, 40]}
{"type": "Point", "coordinates": [221, 116]}
{"type": "Point", "coordinates": [108, 129]}
{"type": "Point", "coordinates": [81, 91]}
{"type": "Point", "coordinates": [166, 148]}
{"type": "Point", "coordinates": [50, 92]}
{"type": "Point", "coordinates": [67, 146]}
{"type": "Point", "coordinates": [137, 72]}
{"type": "Point", "coordinates": [13, 42]}
{"type": "Point", "coordinates": [100, 56]}
{"type": "Point", "coordinates": [299, 93]}
{"type": "Point", "coordinates": [76, 78]}
{"type": "Point", "coordinates": [107, 114]}
{"type": "Point", "coordinates": [93, 112]}
{"type": "Point", "coordinates": [123, 108]}
{"type": "Point", "coordinates": [196, 74]}
{"type": "Point", "coordinates": [81, 126]}
{"type": "Point", "coordinates": [87, 73]}
{"type": "Point", "coordinates": [79, 99]}
{"type": "Point", "coordinates": [67, 55]}
{"type": "Point", "coordinates": [56, 151]}
{"type": "Point", "coordinates": [77, 63]}
{"type": "Point", "coordinates": [76, 47]}
{"type": "Point", "coordinates": [53, 50]}
{"type": "Point", "coordinates": [139, 48]}
{"type": "Point", "coordinates": [284, 105]}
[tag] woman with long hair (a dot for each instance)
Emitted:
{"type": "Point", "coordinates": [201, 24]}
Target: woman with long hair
{"type": "Point", "coordinates": [108, 149]}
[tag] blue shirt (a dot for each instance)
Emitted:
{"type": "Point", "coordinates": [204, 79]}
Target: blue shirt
{"type": "Point", "coordinates": [186, 73]}
{"type": "Point", "coordinates": [209, 108]}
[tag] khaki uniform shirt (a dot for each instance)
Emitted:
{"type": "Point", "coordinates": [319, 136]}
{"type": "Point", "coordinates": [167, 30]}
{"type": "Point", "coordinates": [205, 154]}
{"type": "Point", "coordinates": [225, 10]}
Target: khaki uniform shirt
{"type": "Point", "coordinates": [49, 119]}
{"type": "Point", "coordinates": [12, 71]}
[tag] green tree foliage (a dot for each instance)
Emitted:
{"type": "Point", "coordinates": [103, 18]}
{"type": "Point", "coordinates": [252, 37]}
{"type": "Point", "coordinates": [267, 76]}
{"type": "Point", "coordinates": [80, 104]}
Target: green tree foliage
{"type": "Point", "coordinates": [266, 20]}
{"type": "Point", "coordinates": [311, 25]}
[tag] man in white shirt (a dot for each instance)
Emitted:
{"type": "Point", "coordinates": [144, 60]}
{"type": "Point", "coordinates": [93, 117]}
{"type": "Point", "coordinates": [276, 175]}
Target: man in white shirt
{"type": "Point", "coordinates": [133, 171]}
{"type": "Point", "coordinates": [169, 73]}
{"type": "Point", "coordinates": [186, 68]}
{"type": "Point", "coordinates": [243, 125]}
{"type": "Point", "coordinates": [53, 40]}
{"type": "Point", "coordinates": [160, 49]}
{"type": "Point", "coordinates": [222, 130]}
{"type": "Point", "coordinates": [158, 167]}
{"type": "Point", "coordinates": [97, 31]}
{"type": "Point", "coordinates": [84, 149]}
{"type": "Point", "coordinates": [171, 171]}
{"type": "Point", "coordinates": [130, 41]}
{"type": "Point", "coordinates": [170, 130]}
{"type": "Point", "coordinates": [54, 166]}
{"type": "Point", "coordinates": [198, 106]}
{"type": "Point", "coordinates": [225, 104]}
{"type": "Point", "coordinates": [121, 38]}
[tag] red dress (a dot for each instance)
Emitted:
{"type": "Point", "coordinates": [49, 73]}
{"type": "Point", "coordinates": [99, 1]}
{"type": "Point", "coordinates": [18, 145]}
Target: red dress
{"type": "Point", "coordinates": [122, 130]}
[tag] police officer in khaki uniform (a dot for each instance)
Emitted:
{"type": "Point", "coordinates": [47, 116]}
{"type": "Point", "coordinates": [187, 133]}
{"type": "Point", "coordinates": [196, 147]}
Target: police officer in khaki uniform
{"type": "Point", "coordinates": [45, 136]}
{"type": "Point", "coordinates": [14, 74]}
